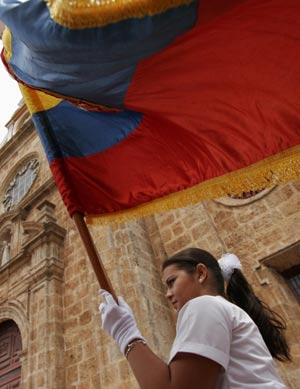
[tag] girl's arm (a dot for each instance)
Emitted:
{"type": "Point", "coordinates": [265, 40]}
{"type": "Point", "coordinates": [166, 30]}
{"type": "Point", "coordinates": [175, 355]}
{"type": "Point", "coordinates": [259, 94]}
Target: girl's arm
{"type": "Point", "coordinates": [186, 371]}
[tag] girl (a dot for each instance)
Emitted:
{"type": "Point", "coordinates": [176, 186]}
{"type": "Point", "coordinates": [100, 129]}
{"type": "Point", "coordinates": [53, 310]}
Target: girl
{"type": "Point", "coordinates": [223, 340]}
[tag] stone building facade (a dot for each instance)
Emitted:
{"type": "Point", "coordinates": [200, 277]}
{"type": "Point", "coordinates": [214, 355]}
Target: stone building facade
{"type": "Point", "coordinates": [49, 293]}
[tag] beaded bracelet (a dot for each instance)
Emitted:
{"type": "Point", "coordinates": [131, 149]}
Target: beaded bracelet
{"type": "Point", "coordinates": [132, 344]}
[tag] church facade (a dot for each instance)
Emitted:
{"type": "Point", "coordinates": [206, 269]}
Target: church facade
{"type": "Point", "coordinates": [50, 328]}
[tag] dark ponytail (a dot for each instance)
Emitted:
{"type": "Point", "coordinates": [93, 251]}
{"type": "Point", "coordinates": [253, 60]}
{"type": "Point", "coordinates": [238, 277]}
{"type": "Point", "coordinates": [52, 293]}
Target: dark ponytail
{"type": "Point", "coordinates": [270, 324]}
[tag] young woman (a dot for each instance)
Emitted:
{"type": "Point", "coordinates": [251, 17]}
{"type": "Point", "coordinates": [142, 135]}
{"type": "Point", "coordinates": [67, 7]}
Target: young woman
{"type": "Point", "coordinates": [223, 339]}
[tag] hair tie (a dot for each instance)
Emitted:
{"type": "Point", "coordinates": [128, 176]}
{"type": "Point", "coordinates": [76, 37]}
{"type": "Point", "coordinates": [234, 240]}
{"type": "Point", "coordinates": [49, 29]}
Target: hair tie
{"type": "Point", "coordinates": [228, 262]}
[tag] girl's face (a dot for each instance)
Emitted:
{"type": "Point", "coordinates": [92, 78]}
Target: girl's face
{"type": "Point", "coordinates": [180, 286]}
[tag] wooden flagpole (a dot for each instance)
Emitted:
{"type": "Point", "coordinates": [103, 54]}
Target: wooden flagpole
{"type": "Point", "coordinates": [93, 254]}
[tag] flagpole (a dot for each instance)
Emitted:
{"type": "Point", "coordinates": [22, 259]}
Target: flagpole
{"type": "Point", "coordinates": [93, 254]}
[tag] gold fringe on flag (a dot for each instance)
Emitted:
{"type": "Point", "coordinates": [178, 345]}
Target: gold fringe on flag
{"type": "Point", "coordinates": [79, 14]}
{"type": "Point", "coordinates": [274, 170]}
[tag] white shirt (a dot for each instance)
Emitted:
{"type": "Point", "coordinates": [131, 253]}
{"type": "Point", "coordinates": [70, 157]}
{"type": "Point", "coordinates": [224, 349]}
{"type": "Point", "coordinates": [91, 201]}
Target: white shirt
{"type": "Point", "coordinates": [214, 328]}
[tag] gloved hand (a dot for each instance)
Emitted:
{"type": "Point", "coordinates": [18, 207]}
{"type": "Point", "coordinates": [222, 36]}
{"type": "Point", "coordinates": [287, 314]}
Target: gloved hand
{"type": "Point", "coordinates": [118, 320]}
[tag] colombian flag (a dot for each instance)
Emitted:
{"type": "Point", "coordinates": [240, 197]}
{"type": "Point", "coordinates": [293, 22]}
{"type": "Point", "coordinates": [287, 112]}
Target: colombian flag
{"type": "Point", "coordinates": [153, 105]}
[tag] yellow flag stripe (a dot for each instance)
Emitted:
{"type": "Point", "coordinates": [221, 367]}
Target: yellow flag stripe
{"type": "Point", "coordinates": [6, 39]}
{"type": "Point", "coordinates": [37, 101]}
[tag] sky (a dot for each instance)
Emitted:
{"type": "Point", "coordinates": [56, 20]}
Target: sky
{"type": "Point", "coordinates": [10, 96]}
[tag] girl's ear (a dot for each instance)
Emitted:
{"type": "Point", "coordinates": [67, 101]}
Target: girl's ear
{"type": "Point", "coordinates": [201, 272]}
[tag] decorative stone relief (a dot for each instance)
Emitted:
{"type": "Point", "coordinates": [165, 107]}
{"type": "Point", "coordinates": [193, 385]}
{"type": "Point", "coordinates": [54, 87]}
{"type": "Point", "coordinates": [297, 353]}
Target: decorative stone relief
{"type": "Point", "coordinates": [245, 198]}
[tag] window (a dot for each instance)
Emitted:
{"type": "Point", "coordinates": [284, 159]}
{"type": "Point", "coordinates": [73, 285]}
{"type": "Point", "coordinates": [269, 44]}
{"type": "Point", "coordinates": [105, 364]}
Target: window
{"type": "Point", "coordinates": [20, 184]}
{"type": "Point", "coordinates": [292, 277]}
{"type": "Point", "coordinates": [286, 262]}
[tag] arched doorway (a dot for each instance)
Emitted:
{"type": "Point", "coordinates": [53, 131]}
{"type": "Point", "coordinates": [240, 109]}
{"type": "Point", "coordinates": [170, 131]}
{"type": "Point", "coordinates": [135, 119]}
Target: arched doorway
{"type": "Point", "coordinates": [10, 348]}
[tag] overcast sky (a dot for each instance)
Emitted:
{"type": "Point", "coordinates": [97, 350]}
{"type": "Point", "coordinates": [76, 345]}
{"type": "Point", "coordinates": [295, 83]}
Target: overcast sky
{"type": "Point", "coordinates": [10, 96]}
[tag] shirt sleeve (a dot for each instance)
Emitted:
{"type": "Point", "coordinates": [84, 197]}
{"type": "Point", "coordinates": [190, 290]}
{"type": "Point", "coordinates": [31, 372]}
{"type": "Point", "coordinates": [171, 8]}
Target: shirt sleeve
{"type": "Point", "coordinates": [204, 328]}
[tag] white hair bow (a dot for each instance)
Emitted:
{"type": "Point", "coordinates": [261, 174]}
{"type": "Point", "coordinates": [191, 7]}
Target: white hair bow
{"type": "Point", "coordinates": [228, 262]}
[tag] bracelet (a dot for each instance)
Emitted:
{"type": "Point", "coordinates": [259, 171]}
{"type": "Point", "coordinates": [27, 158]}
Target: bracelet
{"type": "Point", "coordinates": [132, 344]}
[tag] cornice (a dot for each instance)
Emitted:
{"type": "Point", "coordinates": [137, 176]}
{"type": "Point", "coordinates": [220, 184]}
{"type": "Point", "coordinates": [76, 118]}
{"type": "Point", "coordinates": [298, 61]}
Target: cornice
{"type": "Point", "coordinates": [52, 232]}
{"type": "Point", "coordinates": [49, 267]}
{"type": "Point", "coordinates": [284, 259]}
{"type": "Point", "coordinates": [8, 148]}
{"type": "Point", "coordinates": [12, 215]}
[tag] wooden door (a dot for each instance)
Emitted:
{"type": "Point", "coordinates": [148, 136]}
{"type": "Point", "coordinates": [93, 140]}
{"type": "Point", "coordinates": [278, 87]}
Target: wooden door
{"type": "Point", "coordinates": [10, 348]}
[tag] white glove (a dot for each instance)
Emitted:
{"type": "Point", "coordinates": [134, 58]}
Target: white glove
{"type": "Point", "coordinates": [118, 320]}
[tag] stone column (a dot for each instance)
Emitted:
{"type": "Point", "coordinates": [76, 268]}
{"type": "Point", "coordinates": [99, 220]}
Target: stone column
{"type": "Point", "coordinates": [46, 344]}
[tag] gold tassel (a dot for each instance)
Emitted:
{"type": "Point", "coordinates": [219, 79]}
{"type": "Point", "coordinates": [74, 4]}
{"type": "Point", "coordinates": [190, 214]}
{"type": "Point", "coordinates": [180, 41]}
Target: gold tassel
{"type": "Point", "coordinates": [79, 14]}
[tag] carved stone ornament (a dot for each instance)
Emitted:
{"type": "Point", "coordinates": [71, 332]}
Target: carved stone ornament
{"type": "Point", "coordinates": [245, 198]}
{"type": "Point", "coordinates": [20, 184]}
